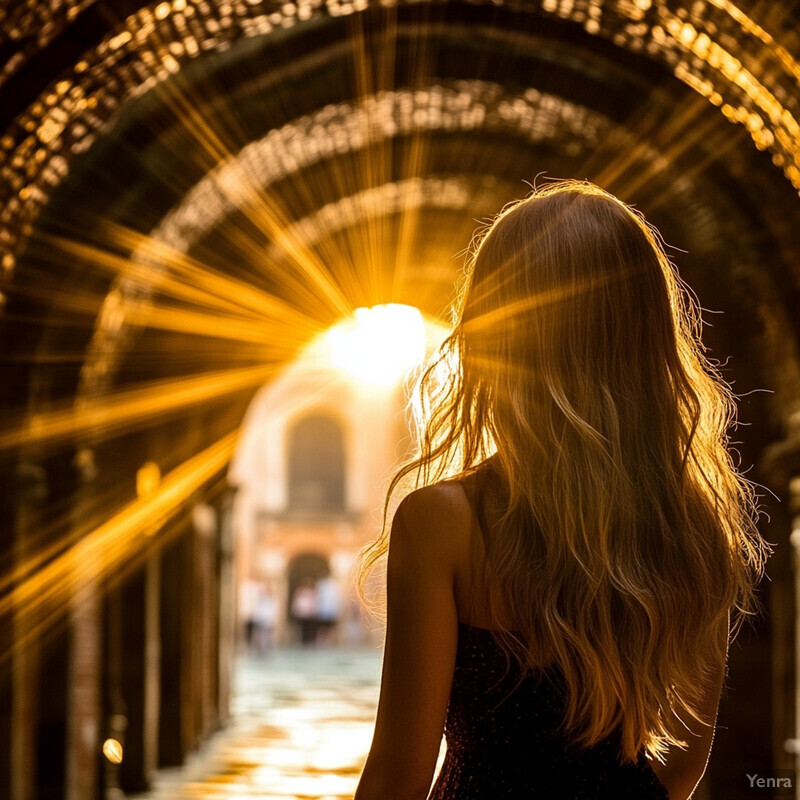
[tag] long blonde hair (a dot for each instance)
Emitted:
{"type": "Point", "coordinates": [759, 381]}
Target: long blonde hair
{"type": "Point", "coordinates": [627, 537]}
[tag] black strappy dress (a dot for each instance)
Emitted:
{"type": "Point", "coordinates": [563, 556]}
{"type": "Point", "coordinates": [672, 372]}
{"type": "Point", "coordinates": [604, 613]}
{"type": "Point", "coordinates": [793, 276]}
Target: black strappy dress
{"type": "Point", "coordinates": [502, 743]}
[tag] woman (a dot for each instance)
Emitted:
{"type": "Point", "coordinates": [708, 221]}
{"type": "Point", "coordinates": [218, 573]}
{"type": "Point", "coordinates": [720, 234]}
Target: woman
{"type": "Point", "coordinates": [562, 590]}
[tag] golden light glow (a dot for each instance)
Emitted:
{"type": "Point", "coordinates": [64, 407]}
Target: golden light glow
{"type": "Point", "coordinates": [150, 46]}
{"type": "Point", "coordinates": [112, 750]}
{"type": "Point", "coordinates": [129, 409]}
{"type": "Point", "coordinates": [378, 345]}
{"type": "Point", "coordinates": [148, 477]}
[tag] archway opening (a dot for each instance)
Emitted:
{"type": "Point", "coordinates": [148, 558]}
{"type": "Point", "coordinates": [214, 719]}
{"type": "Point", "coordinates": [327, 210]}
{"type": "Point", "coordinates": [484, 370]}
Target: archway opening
{"type": "Point", "coordinates": [318, 445]}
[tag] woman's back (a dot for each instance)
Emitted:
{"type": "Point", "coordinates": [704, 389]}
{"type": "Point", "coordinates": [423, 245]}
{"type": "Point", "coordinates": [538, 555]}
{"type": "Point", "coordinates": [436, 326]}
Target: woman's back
{"type": "Point", "coordinates": [473, 500]}
{"type": "Point", "coordinates": [502, 739]}
{"type": "Point", "coordinates": [598, 524]}
{"type": "Point", "coordinates": [500, 723]}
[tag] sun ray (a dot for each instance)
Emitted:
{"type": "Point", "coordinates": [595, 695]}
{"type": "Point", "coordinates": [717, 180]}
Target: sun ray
{"type": "Point", "coordinates": [170, 272]}
{"type": "Point", "coordinates": [39, 600]}
{"type": "Point", "coordinates": [215, 149]}
{"type": "Point", "coordinates": [133, 408]}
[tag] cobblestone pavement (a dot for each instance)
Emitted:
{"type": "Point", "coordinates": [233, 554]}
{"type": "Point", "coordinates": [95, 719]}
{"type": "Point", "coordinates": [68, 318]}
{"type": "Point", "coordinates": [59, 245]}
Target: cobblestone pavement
{"type": "Point", "coordinates": [301, 726]}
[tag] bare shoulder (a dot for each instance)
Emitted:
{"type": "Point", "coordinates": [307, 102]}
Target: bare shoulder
{"type": "Point", "coordinates": [445, 497]}
{"type": "Point", "coordinates": [436, 517]}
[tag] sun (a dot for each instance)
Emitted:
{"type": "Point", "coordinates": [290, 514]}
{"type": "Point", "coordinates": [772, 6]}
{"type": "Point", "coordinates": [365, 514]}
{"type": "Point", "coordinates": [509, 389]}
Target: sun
{"type": "Point", "coordinates": [378, 346]}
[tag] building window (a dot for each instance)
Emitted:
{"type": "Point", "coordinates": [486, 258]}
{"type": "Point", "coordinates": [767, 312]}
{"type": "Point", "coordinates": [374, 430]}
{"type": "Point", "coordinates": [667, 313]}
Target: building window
{"type": "Point", "coordinates": [316, 465]}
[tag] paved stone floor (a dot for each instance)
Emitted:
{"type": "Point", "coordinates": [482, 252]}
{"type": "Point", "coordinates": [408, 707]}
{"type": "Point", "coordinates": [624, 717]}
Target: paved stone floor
{"type": "Point", "coordinates": [301, 727]}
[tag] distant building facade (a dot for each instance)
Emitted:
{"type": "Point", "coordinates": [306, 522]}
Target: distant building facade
{"type": "Point", "coordinates": [316, 452]}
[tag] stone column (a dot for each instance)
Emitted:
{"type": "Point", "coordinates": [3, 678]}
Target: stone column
{"type": "Point", "coordinates": [794, 506]}
{"type": "Point", "coordinates": [152, 665]}
{"type": "Point", "coordinates": [272, 565]}
{"type": "Point", "coordinates": [227, 607]}
{"type": "Point", "coordinates": [204, 521]}
{"type": "Point", "coordinates": [32, 484]}
{"type": "Point", "coordinates": [83, 701]}
{"type": "Point", "coordinates": [174, 570]}
{"type": "Point", "coordinates": [781, 463]}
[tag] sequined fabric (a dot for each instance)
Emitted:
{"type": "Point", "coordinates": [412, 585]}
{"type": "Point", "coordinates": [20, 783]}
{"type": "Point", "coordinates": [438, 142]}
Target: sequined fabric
{"type": "Point", "coordinates": [501, 742]}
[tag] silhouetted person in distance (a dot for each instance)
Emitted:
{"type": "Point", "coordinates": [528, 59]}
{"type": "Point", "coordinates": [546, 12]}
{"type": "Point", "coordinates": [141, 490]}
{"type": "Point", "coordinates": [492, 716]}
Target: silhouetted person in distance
{"type": "Point", "coordinates": [248, 599]}
{"type": "Point", "coordinates": [562, 587]}
{"type": "Point", "coordinates": [264, 617]}
{"type": "Point", "coordinates": [327, 609]}
{"type": "Point", "coordinates": [304, 610]}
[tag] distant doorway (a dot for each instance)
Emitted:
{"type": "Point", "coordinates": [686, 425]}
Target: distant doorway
{"type": "Point", "coordinates": [306, 572]}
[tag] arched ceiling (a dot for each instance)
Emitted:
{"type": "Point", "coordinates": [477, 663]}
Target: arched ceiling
{"type": "Point", "coordinates": [193, 188]}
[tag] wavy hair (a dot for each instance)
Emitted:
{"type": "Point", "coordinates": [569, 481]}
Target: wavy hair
{"type": "Point", "coordinates": [626, 539]}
